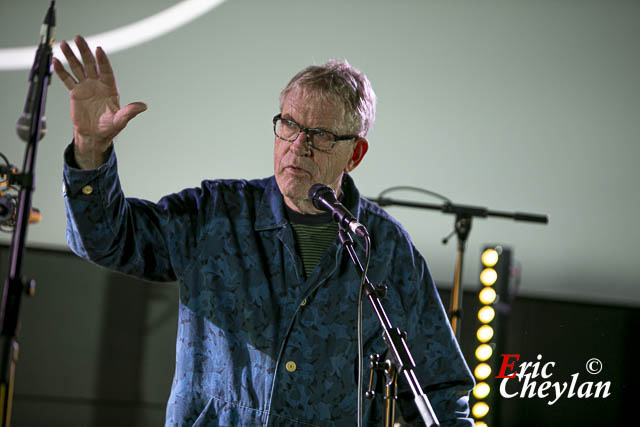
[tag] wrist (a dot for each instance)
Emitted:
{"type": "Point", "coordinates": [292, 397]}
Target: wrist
{"type": "Point", "coordinates": [89, 152]}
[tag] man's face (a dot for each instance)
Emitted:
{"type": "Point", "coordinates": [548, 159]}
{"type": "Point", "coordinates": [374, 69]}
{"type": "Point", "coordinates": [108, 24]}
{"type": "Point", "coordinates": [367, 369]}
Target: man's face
{"type": "Point", "coordinates": [298, 167]}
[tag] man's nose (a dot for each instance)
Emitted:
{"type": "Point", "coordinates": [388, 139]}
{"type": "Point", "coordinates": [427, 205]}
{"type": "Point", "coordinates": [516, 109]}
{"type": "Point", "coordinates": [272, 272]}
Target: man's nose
{"type": "Point", "coordinates": [300, 146]}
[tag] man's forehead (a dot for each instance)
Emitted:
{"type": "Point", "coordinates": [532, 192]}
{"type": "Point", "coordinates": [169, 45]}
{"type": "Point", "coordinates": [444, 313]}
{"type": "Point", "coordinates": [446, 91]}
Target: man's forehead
{"type": "Point", "coordinates": [312, 110]}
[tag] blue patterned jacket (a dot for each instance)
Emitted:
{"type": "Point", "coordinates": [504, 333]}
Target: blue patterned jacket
{"type": "Point", "coordinates": [258, 343]}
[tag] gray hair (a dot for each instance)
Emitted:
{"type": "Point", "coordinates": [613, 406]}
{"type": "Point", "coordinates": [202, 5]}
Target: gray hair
{"type": "Point", "coordinates": [339, 82]}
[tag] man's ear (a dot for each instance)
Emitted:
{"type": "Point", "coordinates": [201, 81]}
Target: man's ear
{"type": "Point", "coordinates": [359, 150]}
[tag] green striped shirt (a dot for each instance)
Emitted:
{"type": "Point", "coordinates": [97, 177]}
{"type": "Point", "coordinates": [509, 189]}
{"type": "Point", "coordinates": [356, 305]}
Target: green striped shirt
{"type": "Point", "coordinates": [313, 235]}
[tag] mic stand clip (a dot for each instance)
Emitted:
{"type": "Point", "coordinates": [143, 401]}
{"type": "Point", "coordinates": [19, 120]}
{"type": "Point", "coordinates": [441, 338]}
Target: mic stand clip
{"type": "Point", "coordinates": [390, 386]}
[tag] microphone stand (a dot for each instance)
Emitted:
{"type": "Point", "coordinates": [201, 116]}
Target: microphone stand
{"type": "Point", "coordinates": [400, 359]}
{"type": "Point", "coordinates": [14, 284]}
{"type": "Point", "coordinates": [464, 215]}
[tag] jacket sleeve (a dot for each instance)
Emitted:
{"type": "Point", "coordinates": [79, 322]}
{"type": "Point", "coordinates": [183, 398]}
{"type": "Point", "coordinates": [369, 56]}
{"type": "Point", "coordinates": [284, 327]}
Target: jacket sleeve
{"type": "Point", "coordinates": [125, 234]}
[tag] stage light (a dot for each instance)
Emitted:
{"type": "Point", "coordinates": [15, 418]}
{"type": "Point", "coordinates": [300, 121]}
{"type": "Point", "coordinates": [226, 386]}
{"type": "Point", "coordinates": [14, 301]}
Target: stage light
{"type": "Point", "coordinates": [489, 257]}
{"type": "Point", "coordinates": [488, 276]}
{"type": "Point", "coordinates": [480, 409]}
{"type": "Point", "coordinates": [485, 333]}
{"type": "Point", "coordinates": [486, 314]}
{"type": "Point", "coordinates": [482, 371]}
{"type": "Point", "coordinates": [483, 352]}
{"type": "Point", "coordinates": [487, 295]}
{"type": "Point", "coordinates": [493, 294]}
{"type": "Point", "coordinates": [481, 390]}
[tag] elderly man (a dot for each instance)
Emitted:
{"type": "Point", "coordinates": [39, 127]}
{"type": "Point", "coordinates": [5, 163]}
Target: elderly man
{"type": "Point", "coordinates": [267, 315]}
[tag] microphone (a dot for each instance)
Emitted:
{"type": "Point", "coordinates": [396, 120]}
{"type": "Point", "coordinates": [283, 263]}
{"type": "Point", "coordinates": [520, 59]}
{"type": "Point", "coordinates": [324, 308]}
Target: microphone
{"type": "Point", "coordinates": [324, 199]}
{"type": "Point", "coordinates": [41, 69]}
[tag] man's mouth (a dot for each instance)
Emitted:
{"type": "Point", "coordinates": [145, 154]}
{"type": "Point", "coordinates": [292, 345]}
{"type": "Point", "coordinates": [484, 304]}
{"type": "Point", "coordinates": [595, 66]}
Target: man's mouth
{"type": "Point", "coordinates": [296, 170]}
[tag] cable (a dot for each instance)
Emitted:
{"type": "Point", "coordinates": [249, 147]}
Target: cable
{"type": "Point", "coordinates": [5, 159]}
{"type": "Point", "coordinates": [417, 189]}
{"type": "Point", "coordinates": [363, 279]}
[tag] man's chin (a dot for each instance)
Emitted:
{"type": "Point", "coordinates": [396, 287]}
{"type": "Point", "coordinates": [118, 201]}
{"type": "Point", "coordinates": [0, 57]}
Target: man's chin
{"type": "Point", "coordinates": [294, 188]}
{"type": "Point", "coordinates": [297, 195]}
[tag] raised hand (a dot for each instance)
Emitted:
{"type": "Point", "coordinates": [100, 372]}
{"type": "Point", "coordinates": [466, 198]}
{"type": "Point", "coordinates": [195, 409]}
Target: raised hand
{"type": "Point", "coordinates": [95, 103]}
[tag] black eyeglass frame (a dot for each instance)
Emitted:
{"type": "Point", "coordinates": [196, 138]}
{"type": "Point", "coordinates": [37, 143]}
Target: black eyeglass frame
{"type": "Point", "coordinates": [309, 132]}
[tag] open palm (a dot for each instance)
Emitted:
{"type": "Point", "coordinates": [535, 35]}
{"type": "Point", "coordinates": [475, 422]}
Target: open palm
{"type": "Point", "coordinates": [95, 103]}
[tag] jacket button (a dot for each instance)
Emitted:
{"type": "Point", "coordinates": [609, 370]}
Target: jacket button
{"type": "Point", "coordinates": [87, 189]}
{"type": "Point", "coordinates": [291, 366]}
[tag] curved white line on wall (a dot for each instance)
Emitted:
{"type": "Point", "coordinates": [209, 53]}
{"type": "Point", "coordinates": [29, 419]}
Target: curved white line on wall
{"type": "Point", "coordinates": [120, 38]}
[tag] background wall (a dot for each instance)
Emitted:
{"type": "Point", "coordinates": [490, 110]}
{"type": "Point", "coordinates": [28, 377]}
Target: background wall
{"type": "Point", "coordinates": [96, 348]}
{"type": "Point", "coordinates": [528, 106]}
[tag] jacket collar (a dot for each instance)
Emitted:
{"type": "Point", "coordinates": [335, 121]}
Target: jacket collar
{"type": "Point", "coordinates": [270, 212]}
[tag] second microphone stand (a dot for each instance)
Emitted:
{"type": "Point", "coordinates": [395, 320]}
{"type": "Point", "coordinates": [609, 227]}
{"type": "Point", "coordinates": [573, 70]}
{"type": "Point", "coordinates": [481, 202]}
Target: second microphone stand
{"type": "Point", "coordinates": [464, 215]}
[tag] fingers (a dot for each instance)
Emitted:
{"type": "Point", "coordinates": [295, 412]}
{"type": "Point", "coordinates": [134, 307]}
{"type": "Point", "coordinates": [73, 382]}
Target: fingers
{"type": "Point", "coordinates": [66, 78]}
{"type": "Point", "coordinates": [74, 64]}
{"type": "Point", "coordinates": [128, 112]}
{"type": "Point", "coordinates": [87, 57]}
{"type": "Point", "coordinates": [80, 70]}
{"type": "Point", "coordinates": [104, 67]}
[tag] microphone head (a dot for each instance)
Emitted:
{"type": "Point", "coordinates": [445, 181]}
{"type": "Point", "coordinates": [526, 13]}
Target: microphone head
{"type": "Point", "coordinates": [23, 127]}
{"type": "Point", "coordinates": [320, 192]}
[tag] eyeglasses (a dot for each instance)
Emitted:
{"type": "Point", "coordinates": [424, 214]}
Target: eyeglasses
{"type": "Point", "coordinates": [318, 139]}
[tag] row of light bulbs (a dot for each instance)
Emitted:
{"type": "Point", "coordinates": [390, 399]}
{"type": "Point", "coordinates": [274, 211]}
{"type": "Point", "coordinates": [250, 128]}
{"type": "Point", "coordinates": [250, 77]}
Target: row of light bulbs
{"type": "Point", "coordinates": [485, 333]}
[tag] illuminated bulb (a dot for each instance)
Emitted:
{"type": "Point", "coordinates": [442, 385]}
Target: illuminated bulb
{"type": "Point", "coordinates": [480, 409]}
{"type": "Point", "coordinates": [488, 276]}
{"type": "Point", "coordinates": [483, 352]}
{"type": "Point", "coordinates": [487, 295]}
{"type": "Point", "coordinates": [485, 333]}
{"type": "Point", "coordinates": [486, 314]}
{"type": "Point", "coordinates": [482, 371]}
{"type": "Point", "coordinates": [489, 257]}
{"type": "Point", "coordinates": [481, 424]}
{"type": "Point", "coordinates": [481, 390]}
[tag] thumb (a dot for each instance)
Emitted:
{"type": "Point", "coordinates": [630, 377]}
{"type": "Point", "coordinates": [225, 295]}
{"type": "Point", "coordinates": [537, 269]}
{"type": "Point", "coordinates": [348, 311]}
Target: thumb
{"type": "Point", "coordinates": [127, 113]}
